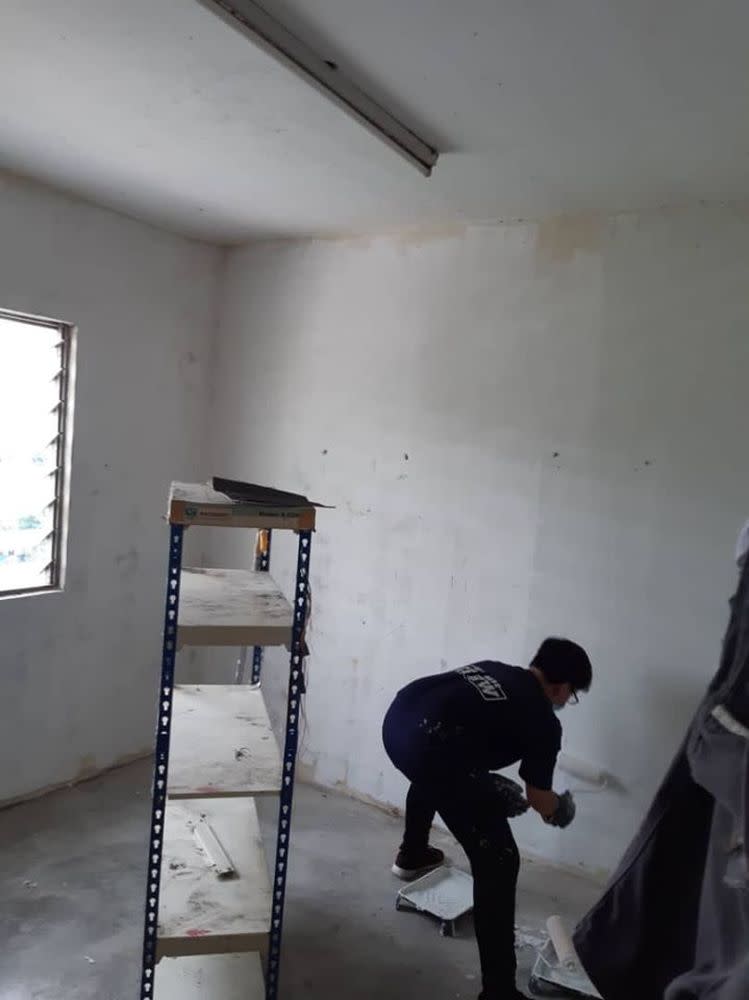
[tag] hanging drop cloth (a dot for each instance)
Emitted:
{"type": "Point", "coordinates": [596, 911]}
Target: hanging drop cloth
{"type": "Point", "coordinates": [673, 922]}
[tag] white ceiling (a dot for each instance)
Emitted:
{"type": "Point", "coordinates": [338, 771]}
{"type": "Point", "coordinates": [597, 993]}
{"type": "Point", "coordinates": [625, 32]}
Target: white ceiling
{"type": "Point", "coordinates": [158, 109]}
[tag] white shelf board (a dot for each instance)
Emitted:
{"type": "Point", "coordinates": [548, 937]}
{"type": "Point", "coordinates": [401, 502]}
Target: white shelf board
{"type": "Point", "coordinates": [210, 977]}
{"type": "Point", "coordinates": [200, 913]}
{"type": "Point", "coordinates": [231, 607]}
{"type": "Point", "coordinates": [222, 743]}
{"type": "Point", "coordinates": [199, 503]}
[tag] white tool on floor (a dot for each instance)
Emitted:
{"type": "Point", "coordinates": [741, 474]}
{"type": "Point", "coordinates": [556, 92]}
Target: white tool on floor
{"type": "Point", "coordinates": [445, 893]}
{"type": "Point", "coordinates": [558, 968]}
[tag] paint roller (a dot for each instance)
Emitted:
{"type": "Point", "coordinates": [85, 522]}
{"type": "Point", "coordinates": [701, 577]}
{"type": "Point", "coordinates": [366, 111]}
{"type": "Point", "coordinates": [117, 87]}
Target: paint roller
{"type": "Point", "coordinates": [585, 771]}
{"type": "Point", "coordinates": [558, 964]}
{"type": "Point", "coordinates": [563, 945]}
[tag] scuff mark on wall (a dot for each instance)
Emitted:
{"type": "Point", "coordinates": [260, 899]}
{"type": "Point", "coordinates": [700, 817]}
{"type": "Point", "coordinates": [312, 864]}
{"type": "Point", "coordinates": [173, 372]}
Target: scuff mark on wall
{"type": "Point", "coordinates": [87, 772]}
{"type": "Point", "coordinates": [86, 767]}
{"type": "Point", "coordinates": [127, 563]}
{"type": "Point", "coordinates": [558, 240]}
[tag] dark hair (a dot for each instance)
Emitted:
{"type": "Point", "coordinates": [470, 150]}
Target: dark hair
{"type": "Point", "coordinates": [562, 661]}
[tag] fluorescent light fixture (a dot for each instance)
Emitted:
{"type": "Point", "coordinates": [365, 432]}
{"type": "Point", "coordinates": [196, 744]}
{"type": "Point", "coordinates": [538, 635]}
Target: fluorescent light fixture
{"type": "Point", "coordinates": [268, 34]}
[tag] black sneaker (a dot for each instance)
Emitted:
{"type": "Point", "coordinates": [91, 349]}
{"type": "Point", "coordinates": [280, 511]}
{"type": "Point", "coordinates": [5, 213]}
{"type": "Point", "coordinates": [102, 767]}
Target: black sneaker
{"type": "Point", "coordinates": [409, 864]}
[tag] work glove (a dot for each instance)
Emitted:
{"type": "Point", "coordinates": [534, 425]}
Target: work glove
{"type": "Point", "coordinates": [564, 812]}
{"type": "Point", "coordinates": [511, 795]}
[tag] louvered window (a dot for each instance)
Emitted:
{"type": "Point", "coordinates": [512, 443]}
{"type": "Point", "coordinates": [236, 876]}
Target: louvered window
{"type": "Point", "coordinates": [35, 357]}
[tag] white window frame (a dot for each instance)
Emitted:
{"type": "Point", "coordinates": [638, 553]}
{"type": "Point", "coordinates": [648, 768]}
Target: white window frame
{"type": "Point", "coordinates": [58, 556]}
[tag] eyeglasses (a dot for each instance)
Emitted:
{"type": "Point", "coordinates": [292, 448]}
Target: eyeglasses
{"type": "Point", "coordinates": [574, 698]}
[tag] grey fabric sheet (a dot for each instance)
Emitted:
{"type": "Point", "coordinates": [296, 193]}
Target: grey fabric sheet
{"type": "Point", "coordinates": [736, 986]}
{"type": "Point", "coordinates": [673, 922]}
{"type": "Point", "coordinates": [722, 942]}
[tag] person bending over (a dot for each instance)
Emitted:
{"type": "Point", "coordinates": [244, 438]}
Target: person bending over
{"type": "Point", "coordinates": [446, 733]}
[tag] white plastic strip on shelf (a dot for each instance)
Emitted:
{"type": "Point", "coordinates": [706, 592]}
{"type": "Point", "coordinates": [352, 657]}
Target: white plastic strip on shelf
{"type": "Point", "coordinates": [200, 914]}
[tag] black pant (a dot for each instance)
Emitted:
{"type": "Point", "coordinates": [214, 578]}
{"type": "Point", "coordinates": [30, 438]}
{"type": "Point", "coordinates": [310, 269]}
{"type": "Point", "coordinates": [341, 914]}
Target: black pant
{"type": "Point", "coordinates": [468, 803]}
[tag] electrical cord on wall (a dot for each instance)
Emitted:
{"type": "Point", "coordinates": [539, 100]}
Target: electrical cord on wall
{"type": "Point", "coordinates": [303, 720]}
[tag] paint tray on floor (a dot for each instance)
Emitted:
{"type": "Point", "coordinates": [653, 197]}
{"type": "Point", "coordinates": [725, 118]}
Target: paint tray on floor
{"type": "Point", "coordinates": [445, 894]}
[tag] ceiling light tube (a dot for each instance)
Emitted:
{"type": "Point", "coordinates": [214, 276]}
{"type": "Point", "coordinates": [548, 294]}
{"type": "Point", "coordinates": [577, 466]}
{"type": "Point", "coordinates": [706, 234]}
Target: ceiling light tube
{"type": "Point", "coordinates": [270, 35]}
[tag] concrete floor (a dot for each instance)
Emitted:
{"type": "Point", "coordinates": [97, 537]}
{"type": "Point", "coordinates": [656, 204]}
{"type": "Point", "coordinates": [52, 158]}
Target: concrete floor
{"type": "Point", "coordinates": [71, 882]}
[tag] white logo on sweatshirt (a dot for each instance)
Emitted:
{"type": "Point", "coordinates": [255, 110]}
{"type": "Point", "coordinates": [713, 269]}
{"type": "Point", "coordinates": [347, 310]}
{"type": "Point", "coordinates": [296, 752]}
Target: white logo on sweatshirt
{"type": "Point", "coordinates": [487, 686]}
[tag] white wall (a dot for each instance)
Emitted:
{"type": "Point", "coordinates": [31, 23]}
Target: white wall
{"type": "Point", "coordinates": [526, 430]}
{"type": "Point", "coordinates": [78, 668]}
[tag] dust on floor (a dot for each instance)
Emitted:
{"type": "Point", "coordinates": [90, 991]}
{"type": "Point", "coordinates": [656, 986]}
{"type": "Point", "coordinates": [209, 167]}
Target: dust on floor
{"type": "Point", "coordinates": [72, 882]}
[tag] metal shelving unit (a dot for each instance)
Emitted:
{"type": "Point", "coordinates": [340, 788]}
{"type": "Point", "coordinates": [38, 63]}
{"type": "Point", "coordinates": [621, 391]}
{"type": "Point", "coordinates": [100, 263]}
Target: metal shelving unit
{"type": "Point", "coordinates": [212, 912]}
